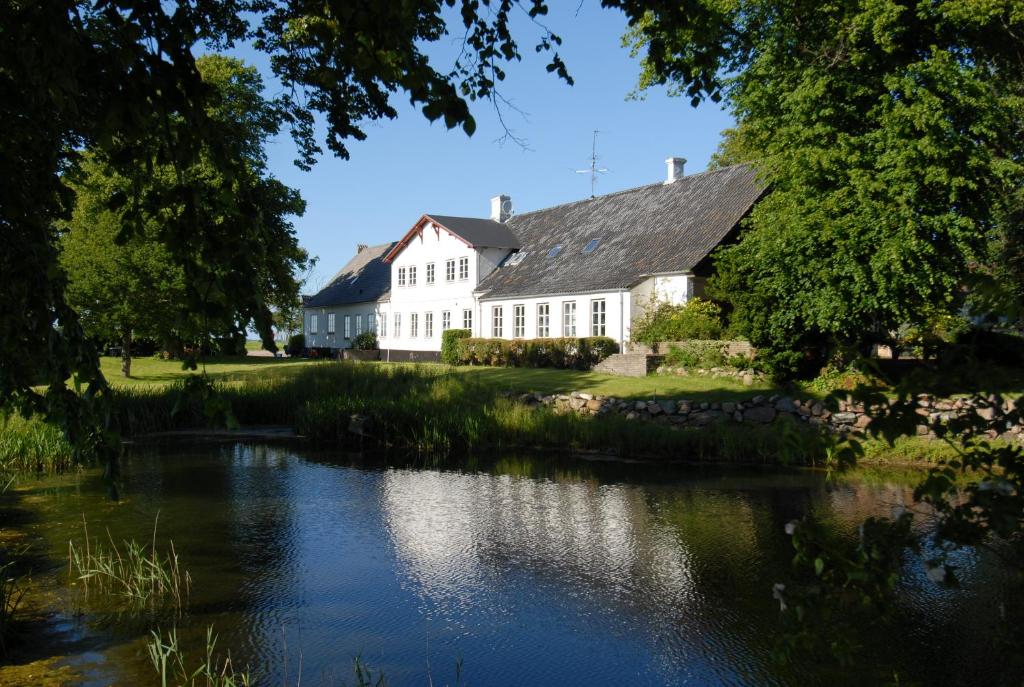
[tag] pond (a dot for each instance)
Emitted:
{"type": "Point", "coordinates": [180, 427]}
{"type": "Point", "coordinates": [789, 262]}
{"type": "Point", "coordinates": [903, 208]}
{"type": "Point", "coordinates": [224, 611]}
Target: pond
{"type": "Point", "coordinates": [515, 570]}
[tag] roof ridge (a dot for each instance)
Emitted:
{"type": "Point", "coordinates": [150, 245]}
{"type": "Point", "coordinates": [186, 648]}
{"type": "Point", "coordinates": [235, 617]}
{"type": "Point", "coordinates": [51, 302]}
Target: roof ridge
{"type": "Point", "coordinates": [629, 190]}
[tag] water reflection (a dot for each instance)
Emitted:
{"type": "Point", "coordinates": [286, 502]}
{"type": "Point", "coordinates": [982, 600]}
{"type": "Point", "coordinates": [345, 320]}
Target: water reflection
{"type": "Point", "coordinates": [528, 570]}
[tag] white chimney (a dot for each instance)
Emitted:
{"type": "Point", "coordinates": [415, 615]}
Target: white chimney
{"type": "Point", "coordinates": [501, 208]}
{"type": "Point", "coordinates": [675, 168]}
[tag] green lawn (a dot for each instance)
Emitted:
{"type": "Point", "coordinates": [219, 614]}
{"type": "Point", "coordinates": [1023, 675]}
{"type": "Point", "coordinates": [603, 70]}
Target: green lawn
{"type": "Point", "coordinates": [156, 372]}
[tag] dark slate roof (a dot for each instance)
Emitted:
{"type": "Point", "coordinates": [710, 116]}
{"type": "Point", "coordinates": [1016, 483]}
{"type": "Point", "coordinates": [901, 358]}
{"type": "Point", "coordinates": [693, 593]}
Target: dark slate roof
{"type": "Point", "coordinates": [656, 229]}
{"type": "Point", "coordinates": [372, 280]}
{"type": "Point", "coordinates": [478, 233]}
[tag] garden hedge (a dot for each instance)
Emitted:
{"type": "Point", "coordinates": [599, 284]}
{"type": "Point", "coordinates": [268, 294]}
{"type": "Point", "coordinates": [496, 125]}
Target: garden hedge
{"type": "Point", "coordinates": [573, 353]}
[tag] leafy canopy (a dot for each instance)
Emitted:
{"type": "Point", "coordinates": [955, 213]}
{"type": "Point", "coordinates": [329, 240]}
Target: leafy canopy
{"type": "Point", "coordinates": [889, 132]}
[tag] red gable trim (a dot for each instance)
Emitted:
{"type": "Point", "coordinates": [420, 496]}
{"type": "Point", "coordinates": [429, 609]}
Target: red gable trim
{"type": "Point", "coordinates": [415, 231]}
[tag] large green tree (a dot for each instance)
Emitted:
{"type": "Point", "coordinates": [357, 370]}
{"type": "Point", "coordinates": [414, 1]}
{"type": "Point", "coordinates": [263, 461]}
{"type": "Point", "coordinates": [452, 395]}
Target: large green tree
{"type": "Point", "coordinates": [890, 135]}
{"type": "Point", "coordinates": [119, 77]}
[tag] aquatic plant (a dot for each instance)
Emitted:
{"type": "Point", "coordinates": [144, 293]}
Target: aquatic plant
{"type": "Point", "coordinates": [133, 572]}
{"type": "Point", "coordinates": [169, 662]}
{"type": "Point", "coordinates": [12, 591]}
{"type": "Point", "coordinates": [31, 446]}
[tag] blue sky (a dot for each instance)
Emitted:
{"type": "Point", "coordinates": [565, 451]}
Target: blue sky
{"type": "Point", "coordinates": [408, 166]}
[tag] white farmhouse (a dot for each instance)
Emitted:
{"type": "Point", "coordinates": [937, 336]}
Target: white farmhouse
{"type": "Point", "coordinates": [587, 268]}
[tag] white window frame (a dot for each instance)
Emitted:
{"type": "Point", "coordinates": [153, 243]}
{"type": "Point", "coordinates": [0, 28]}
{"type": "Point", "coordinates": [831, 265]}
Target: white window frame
{"type": "Point", "coordinates": [414, 325]}
{"type": "Point", "coordinates": [463, 269]}
{"type": "Point", "coordinates": [398, 325]}
{"type": "Point", "coordinates": [518, 321]}
{"type": "Point", "coordinates": [383, 326]}
{"type": "Point", "coordinates": [598, 317]}
{"type": "Point", "coordinates": [371, 322]}
{"type": "Point", "coordinates": [401, 276]}
{"type": "Point", "coordinates": [568, 318]}
{"type": "Point", "coordinates": [543, 320]}
{"type": "Point", "coordinates": [359, 324]}
{"type": "Point", "coordinates": [312, 324]}
{"type": "Point", "coordinates": [412, 275]}
{"type": "Point", "coordinates": [430, 273]}
{"type": "Point", "coordinates": [446, 320]}
{"type": "Point", "coordinates": [348, 326]}
{"type": "Point", "coordinates": [467, 319]}
{"type": "Point", "coordinates": [330, 323]}
{"type": "Point", "coordinates": [449, 270]}
{"type": "Point", "coordinates": [497, 321]}
{"type": "Point", "coordinates": [428, 325]}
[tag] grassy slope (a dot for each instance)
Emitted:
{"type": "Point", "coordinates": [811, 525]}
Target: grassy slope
{"type": "Point", "coordinates": [156, 372]}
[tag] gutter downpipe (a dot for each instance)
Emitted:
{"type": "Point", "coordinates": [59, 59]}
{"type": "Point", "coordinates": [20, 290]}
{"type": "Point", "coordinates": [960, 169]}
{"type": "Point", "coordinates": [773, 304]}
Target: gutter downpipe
{"type": "Point", "coordinates": [622, 322]}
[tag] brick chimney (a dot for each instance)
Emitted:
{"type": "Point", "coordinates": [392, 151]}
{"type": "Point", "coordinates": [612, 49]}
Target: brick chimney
{"type": "Point", "coordinates": [675, 168]}
{"type": "Point", "coordinates": [501, 208]}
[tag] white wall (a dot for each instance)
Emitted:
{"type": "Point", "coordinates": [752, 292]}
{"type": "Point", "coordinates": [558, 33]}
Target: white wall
{"type": "Point", "coordinates": [322, 339]}
{"type": "Point", "coordinates": [673, 288]}
{"type": "Point", "coordinates": [617, 315]}
{"type": "Point", "coordinates": [435, 245]}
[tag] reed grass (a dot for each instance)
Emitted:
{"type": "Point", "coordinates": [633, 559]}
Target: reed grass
{"type": "Point", "coordinates": [134, 573]}
{"type": "Point", "coordinates": [169, 662]}
{"type": "Point", "coordinates": [30, 446]}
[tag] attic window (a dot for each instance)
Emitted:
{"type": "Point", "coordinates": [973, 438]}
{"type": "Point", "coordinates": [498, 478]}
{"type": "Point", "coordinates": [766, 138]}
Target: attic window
{"type": "Point", "coordinates": [353, 279]}
{"type": "Point", "coordinates": [555, 250]}
{"type": "Point", "coordinates": [515, 259]}
{"type": "Point", "coordinates": [591, 246]}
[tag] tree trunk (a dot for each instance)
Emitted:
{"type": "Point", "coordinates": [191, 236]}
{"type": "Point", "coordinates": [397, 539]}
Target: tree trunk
{"type": "Point", "coordinates": [126, 353]}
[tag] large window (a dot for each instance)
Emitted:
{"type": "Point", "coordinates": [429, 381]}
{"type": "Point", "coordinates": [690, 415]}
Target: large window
{"type": "Point", "coordinates": [312, 324]}
{"type": "Point", "coordinates": [412, 276]}
{"type": "Point", "coordinates": [348, 326]}
{"type": "Point", "coordinates": [414, 325]}
{"type": "Point", "coordinates": [430, 273]}
{"type": "Point", "coordinates": [569, 318]}
{"type": "Point", "coordinates": [371, 322]}
{"type": "Point", "coordinates": [401, 276]}
{"type": "Point", "coordinates": [398, 325]}
{"type": "Point", "coordinates": [467, 319]}
{"type": "Point", "coordinates": [449, 270]}
{"type": "Point", "coordinates": [543, 320]}
{"type": "Point", "coordinates": [428, 325]}
{"type": "Point", "coordinates": [463, 269]}
{"type": "Point", "coordinates": [384, 325]}
{"type": "Point", "coordinates": [446, 320]}
{"type": "Point", "coordinates": [496, 317]}
{"type": "Point", "coordinates": [518, 321]}
{"type": "Point", "coordinates": [359, 325]}
{"type": "Point", "coordinates": [598, 316]}
{"type": "Point", "coordinates": [330, 323]}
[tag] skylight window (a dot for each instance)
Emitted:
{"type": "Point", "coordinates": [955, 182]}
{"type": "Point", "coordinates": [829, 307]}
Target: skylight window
{"type": "Point", "coordinates": [555, 251]}
{"type": "Point", "coordinates": [353, 279]}
{"type": "Point", "coordinates": [515, 259]}
{"type": "Point", "coordinates": [591, 246]}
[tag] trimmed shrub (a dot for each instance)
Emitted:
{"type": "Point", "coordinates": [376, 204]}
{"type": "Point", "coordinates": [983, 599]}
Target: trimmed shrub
{"type": "Point", "coordinates": [574, 353]}
{"type": "Point", "coordinates": [696, 354]}
{"type": "Point", "coordinates": [697, 319]}
{"type": "Point", "coordinates": [296, 344]}
{"type": "Point", "coordinates": [450, 345]}
{"type": "Point", "coordinates": [367, 341]}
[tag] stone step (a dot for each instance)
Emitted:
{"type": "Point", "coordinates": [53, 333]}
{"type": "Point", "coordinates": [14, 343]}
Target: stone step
{"type": "Point", "coordinates": [628, 364]}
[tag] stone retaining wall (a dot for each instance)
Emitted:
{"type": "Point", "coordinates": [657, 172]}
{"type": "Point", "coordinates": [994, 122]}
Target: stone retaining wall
{"type": "Point", "coordinates": [729, 348]}
{"type": "Point", "coordinates": [1002, 417]}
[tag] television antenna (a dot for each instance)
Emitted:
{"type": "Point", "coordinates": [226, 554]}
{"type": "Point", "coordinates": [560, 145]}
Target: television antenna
{"type": "Point", "coordinates": [593, 170]}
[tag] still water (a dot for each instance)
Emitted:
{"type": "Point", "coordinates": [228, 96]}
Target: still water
{"type": "Point", "coordinates": [521, 570]}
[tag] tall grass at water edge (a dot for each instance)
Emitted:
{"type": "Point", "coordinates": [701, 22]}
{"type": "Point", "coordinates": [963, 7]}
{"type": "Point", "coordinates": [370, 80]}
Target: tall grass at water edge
{"type": "Point", "coordinates": [426, 409]}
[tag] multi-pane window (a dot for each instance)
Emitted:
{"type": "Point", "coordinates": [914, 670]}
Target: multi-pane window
{"type": "Point", "coordinates": [412, 276]}
{"type": "Point", "coordinates": [348, 326]}
{"type": "Point", "coordinates": [463, 269]}
{"type": "Point", "coordinates": [414, 325]}
{"type": "Point", "coordinates": [384, 325]}
{"type": "Point", "coordinates": [359, 325]}
{"type": "Point", "coordinates": [430, 273]}
{"type": "Point", "coordinates": [496, 318]}
{"type": "Point", "coordinates": [569, 318]}
{"type": "Point", "coordinates": [518, 321]}
{"type": "Point", "coordinates": [401, 276]}
{"type": "Point", "coordinates": [598, 313]}
{"type": "Point", "coordinates": [467, 319]}
{"type": "Point", "coordinates": [371, 322]}
{"type": "Point", "coordinates": [312, 324]}
{"type": "Point", "coordinates": [543, 320]}
{"type": "Point", "coordinates": [330, 323]}
{"type": "Point", "coordinates": [446, 320]}
{"type": "Point", "coordinates": [449, 270]}
{"type": "Point", "coordinates": [428, 324]}
{"type": "Point", "coordinates": [398, 325]}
